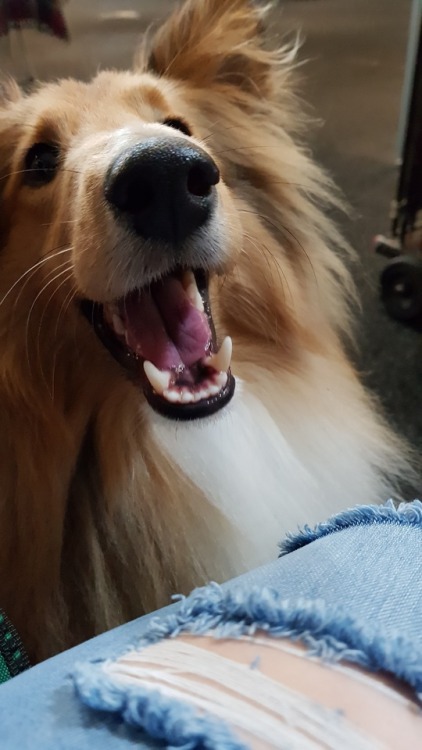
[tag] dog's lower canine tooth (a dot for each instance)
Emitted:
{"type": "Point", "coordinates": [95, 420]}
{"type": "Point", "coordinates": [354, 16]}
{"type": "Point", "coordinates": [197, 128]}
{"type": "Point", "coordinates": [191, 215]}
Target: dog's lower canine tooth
{"type": "Point", "coordinates": [221, 360]}
{"type": "Point", "coordinates": [159, 380]}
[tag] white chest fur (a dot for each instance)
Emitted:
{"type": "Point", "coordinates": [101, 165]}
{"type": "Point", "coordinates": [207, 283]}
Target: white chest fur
{"type": "Point", "coordinates": [278, 457]}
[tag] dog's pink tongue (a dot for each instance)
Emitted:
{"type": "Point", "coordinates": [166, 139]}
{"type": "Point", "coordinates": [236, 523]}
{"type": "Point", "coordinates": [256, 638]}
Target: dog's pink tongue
{"type": "Point", "coordinates": [164, 327]}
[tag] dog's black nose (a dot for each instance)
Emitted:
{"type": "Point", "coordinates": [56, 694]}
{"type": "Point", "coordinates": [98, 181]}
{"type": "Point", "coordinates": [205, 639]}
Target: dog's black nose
{"type": "Point", "coordinates": [163, 187]}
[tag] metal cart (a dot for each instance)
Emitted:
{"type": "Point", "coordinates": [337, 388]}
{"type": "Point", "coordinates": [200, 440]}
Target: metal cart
{"type": "Point", "coordinates": [401, 279]}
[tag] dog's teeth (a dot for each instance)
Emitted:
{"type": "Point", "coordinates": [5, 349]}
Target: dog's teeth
{"type": "Point", "coordinates": [159, 380]}
{"type": "Point", "coordinates": [172, 396]}
{"type": "Point", "coordinates": [221, 360]}
{"type": "Point", "coordinates": [220, 379]}
{"type": "Point", "coordinates": [186, 397]}
{"type": "Point", "coordinates": [224, 356]}
{"type": "Point", "coordinates": [118, 325]}
{"type": "Point", "coordinates": [196, 298]}
{"type": "Point", "coordinates": [188, 278]}
{"type": "Point", "coordinates": [190, 286]}
{"type": "Point", "coordinates": [111, 308]}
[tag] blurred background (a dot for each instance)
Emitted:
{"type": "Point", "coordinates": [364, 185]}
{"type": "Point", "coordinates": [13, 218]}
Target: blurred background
{"type": "Point", "coordinates": [356, 54]}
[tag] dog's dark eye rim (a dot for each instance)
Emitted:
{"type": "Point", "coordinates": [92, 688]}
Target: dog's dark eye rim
{"type": "Point", "coordinates": [178, 124]}
{"type": "Point", "coordinates": [41, 163]}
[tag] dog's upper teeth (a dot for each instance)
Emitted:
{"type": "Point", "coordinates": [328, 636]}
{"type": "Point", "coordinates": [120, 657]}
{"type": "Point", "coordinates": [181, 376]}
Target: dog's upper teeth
{"type": "Point", "coordinates": [111, 308]}
{"type": "Point", "coordinates": [159, 380]}
{"type": "Point", "coordinates": [118, 324]}
{"type": "Point", "coordinates": [188, 277]}
{"type": "Point", "coordinates": [191, 288]}
{"type": "Point", "coordinates": [221, 360]}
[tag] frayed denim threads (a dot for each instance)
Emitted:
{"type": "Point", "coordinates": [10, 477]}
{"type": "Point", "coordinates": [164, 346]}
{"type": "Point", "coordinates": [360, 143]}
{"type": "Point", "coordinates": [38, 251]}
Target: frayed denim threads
{"type": "Point", "coordinates": [405, 514]}
{"type": "Point", "coordinates": [329, 631]}
{"type": "Point", "coordinates": [162, 718]}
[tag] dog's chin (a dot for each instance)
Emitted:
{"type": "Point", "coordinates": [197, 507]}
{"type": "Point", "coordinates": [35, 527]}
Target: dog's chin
{"type": "Point", "coordinates": [163, 336]}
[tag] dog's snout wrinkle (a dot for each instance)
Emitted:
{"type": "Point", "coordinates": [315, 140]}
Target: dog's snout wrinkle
{"type": "Point", "coordinates": [164, 188]}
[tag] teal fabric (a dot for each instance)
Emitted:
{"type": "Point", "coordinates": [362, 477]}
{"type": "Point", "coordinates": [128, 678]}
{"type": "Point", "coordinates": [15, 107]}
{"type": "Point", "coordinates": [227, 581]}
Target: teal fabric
{"type": "Point", "coordinates": [4, 671]}
{"type": "Point", "coordinates": [13, 658]}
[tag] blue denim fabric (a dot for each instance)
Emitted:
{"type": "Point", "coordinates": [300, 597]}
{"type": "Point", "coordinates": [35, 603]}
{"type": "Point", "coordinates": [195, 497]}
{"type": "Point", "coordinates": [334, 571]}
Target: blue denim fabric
{"type": "Point", "coordinates": [371, 570]}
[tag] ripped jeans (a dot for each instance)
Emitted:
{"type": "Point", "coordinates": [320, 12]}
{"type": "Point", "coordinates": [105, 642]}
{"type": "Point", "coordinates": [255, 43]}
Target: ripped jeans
{"type": "Point", "coordinates": [350, 590]}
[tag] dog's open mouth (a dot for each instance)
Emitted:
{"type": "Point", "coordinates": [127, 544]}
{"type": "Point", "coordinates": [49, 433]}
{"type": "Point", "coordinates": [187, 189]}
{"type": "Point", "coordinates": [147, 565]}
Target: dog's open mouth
{"type": "Point", "coordinates": [164, 336]}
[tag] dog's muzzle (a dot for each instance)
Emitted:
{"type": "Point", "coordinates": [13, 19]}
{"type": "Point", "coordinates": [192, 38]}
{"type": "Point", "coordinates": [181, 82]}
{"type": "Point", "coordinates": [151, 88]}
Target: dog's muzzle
{"type": "Point", "coordinates": [163, 190]}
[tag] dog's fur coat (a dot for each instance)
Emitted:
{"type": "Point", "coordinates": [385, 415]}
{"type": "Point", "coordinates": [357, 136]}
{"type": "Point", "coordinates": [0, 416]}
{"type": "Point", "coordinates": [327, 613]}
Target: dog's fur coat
{"type": "Point", "coordinates": [106, 509]}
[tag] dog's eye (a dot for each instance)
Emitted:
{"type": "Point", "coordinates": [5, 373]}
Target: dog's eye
{"type": "Point", "coordinates": [41, 164]}
{"type": "Point", "coordinates": [174, 122]}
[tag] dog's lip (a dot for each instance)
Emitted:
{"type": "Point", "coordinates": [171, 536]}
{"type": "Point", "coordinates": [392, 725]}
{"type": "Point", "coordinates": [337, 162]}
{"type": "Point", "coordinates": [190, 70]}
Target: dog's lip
{"type": "Point", "coordinates": [207, 388]}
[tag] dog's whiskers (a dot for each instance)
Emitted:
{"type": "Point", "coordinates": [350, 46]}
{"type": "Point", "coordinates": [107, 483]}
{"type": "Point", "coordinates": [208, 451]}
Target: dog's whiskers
{"type": "Point", "coordinates": [267, 252]}
{"type": "Point", "coordinates": [26, 171]}
{"type": "Point", "coordinates": [42, 290]}
{"type": "Point", "coordinates": [66, 266]}
{"type": "Point", "coordinates": [279, 227]}
{"type": "Point", "coordinates": [121, 268]}
{"type": "Point", "coordinates": [212, 133]}
{"type": "Point", "coordinates": [45, 277]}
{"type": "Point", "coordinates": [30, 271]}
{"type": "Point", "coordinates": [64, 307]}
{"type": "Point", "coordinates": [246, 148]}
{"type": "Point", "coordinates": [65, 221]}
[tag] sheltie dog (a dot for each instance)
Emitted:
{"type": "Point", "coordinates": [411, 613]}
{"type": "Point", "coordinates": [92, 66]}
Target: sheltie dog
{"type": "Point", "coordinates": [174, 302]}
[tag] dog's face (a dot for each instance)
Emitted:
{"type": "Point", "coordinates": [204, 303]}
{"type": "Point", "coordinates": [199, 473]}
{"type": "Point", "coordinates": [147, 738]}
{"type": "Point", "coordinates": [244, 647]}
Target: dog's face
{"type": "Point", "coordinates": [139, 214]}
{"type": "Point", "coordinates": [125, 198]}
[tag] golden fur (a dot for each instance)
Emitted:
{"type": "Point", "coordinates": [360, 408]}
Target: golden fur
{"type": "Point", "coordinates": [99, 521]}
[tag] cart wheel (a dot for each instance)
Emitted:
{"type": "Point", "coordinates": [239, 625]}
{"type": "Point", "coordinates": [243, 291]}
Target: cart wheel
{"type": "Point", "coordinates": [401, 288]}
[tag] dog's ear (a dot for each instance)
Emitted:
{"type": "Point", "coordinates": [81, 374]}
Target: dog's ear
{"type": "Point", "coordinates": [9, 91]}
{"type": "Point", "coordinates": [213, 43]}
{"type": "Point", "coordinates": [10, 94]}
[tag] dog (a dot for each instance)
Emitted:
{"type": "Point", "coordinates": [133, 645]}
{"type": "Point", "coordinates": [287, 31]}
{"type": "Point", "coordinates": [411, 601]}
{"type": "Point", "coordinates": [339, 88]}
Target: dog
{"type": "Point", "coordinates": [175, 392]}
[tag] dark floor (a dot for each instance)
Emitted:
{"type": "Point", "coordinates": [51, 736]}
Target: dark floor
{"type": "Point", "coordinates": [356, 53]}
